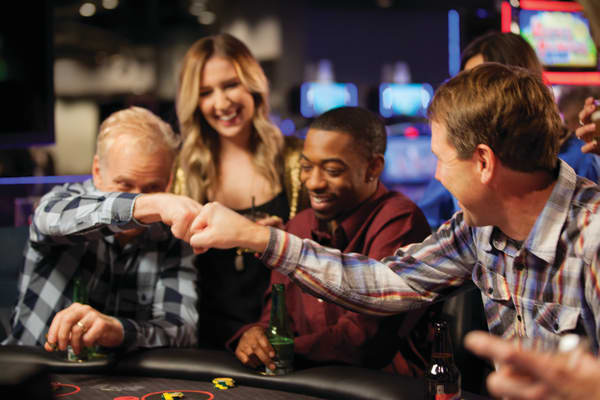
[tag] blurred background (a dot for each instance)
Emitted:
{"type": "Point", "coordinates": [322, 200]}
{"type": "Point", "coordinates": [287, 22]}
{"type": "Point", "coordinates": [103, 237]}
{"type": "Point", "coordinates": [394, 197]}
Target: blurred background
{"type": "Point", "coordinates": [65, 65]}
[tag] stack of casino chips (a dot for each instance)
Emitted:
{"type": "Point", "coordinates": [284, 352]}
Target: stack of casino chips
{"type": "Point", "coordinates": [223, 383]}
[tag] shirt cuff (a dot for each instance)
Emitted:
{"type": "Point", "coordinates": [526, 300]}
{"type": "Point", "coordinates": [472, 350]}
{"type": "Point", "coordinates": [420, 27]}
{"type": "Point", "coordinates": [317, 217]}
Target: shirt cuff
{"type": "Point", "coordinates": [121, 210]}
{"type": "Point", "coordinates": [283, 251]}
{"type": "Point", "coordinates": [129, 336]}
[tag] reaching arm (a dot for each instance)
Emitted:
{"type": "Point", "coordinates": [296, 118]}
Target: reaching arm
{"type": "Point", "coordinates": [74, 212]}
{"type": "Point", "coordinates": [416, 274]}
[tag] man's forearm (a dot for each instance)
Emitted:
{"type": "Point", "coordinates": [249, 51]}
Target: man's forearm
{"type": "Point", "coordinates": [64, 213]}
{"type": "Point", "coordinates": [255, 237]}
{"type": "Point", "coordinates": [146, 208]}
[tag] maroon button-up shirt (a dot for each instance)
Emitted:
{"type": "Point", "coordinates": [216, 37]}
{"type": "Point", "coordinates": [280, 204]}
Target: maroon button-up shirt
{"type": "Point", "coordinates": [326, 332]}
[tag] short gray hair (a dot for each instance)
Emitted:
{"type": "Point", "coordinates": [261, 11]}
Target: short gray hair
{"type": "Point", "coordinates": [150, 130]}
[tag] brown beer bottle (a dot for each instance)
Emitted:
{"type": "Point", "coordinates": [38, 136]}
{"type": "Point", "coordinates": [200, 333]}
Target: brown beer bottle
{"type": "Point", "coordinates": [442, 375]}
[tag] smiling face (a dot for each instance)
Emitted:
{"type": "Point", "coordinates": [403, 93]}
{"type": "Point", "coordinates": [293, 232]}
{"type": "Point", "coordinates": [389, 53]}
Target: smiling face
{"type": "Point", "coordinates": [225, 103]}
{"type": "Point", "coordinates": [459, 176]}
{"type": "Point", "coordinates": [335, 172]}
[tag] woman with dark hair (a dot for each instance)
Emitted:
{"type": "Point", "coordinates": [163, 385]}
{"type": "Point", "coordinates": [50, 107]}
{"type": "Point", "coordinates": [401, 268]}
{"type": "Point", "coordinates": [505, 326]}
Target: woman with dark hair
{"type": "Point", "coordinates": [505, 48]}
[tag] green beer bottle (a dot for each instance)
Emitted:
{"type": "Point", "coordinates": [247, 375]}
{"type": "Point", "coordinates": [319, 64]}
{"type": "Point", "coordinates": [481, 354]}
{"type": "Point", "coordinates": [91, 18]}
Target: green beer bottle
{"type": "Point", "coordinates": [279, 334]}
{"type": "Point", "coordinates": [80, 295]}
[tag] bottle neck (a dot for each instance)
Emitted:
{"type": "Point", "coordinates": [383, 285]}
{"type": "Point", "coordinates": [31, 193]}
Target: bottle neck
{"type": "Point", "coordinates": [442, 344]}
{"type": "Point", "coordinates": [278, 322]}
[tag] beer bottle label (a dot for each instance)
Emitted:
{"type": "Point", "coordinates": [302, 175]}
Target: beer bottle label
{"type": "Point", "coordinates": [440, 393]}
{"type": "Point", "coordinates": [447, 396]}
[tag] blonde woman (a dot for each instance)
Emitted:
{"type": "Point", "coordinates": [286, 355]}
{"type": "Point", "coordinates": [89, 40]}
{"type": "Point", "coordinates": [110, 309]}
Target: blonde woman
{"type": "Point", "coordinates": [232, 153]}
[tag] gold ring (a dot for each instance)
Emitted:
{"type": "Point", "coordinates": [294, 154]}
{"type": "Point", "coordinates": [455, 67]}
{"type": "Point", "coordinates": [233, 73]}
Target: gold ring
{"type": "Point", "coordinates": [82, 326]}
{"type": "Point", "coordinates": [53, 346]}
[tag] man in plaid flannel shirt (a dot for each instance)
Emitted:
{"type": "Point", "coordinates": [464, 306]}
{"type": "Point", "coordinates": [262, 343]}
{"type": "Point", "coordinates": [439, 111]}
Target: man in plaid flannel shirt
{"type": "Point", "coordinates": [527, 234]}
{"type": "Point", "coordinates": [117, 234]}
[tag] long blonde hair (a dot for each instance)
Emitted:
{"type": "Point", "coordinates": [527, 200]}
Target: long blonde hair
{"type": "Point", "coordinates": [200, 152]}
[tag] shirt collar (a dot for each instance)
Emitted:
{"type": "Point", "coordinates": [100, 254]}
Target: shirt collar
{"type": "Point", "coordinates": [543, 239]}
{"type": "Point", "coordinates": [545, 235]}
{"type": "Point", "coordinates": [350, 222]}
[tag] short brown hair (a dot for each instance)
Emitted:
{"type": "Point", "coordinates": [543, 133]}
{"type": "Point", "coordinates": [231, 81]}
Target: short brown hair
{"type": "Point", "coordinates": [505, 107]}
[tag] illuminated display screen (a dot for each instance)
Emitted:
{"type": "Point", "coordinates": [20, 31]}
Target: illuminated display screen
{"type": "Point", "coordinates": [318, 97]}
{"type": "Point", "coordinates": [409, 99]}
{"type": "Point", "coordinates": [560, 39]}
{"type": "Point", "coordinates": [408, 160]}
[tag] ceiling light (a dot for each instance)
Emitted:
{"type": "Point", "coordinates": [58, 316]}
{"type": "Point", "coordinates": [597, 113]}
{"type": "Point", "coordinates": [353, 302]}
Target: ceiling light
{"type": "Point", "coordinates": [207, 17]}
{"type": "Point", "coordinates": [110, 4]}
{"type": "Point", "coordinates": [87, 9]}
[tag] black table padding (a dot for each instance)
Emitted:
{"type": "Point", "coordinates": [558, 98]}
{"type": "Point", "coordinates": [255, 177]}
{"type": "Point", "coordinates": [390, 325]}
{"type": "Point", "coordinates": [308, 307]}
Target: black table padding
{"type": "Point", "coordinates": [331, 382]}
{"type": "Point", "coordinates": [24, 381]}
{"type": "Point", "coordinates": [335, 382]}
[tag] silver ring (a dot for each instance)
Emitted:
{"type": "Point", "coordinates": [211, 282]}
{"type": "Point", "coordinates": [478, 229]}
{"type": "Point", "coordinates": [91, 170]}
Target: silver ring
{"type": "Point", "coordinates": [81, 325]}
{"type": "Point", "coordinates": [581, 123]}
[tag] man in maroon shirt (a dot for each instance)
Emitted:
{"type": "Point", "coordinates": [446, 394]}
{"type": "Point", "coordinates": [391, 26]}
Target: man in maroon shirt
{"type": "Point", "coordinates": [352, 211]}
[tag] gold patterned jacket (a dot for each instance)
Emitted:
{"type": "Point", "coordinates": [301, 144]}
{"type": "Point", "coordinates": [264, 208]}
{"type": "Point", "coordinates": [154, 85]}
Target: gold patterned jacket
{"type": "Point", "coordinates": [295, 192]}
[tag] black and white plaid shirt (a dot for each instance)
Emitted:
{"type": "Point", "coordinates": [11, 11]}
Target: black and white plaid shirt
{"type": "Point", "coordinates": [149, 285]}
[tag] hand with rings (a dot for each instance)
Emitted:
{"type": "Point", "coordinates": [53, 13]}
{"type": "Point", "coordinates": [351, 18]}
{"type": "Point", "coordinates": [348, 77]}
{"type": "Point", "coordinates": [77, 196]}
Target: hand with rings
{"type": "Point", "coordinates": [80, 326]}
{"type": "Point", "coordinates": [587, 128]}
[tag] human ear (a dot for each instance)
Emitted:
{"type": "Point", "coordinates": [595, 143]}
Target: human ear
{"type": "Point", "coordinates": [96, 175]}
{"type": "Point", "coordinates": [375, 167]}
{"type": "Point", "coordinates": [486, 162]}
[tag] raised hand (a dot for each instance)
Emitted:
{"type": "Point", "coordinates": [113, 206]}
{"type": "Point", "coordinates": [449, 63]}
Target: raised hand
{"type": "Point", "coordinates": [176, 211]}
{"type": "Point", "coordinates": [219, 227]}
{"type": "Point", "coordinates": [587, 131]}
{"type": "Point", "coordinates": [531, 375]}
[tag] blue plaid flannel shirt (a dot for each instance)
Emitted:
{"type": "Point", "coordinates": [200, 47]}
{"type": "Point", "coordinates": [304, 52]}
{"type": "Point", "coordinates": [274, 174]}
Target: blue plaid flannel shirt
{"type": "Point", "coordinates": [149, 284]}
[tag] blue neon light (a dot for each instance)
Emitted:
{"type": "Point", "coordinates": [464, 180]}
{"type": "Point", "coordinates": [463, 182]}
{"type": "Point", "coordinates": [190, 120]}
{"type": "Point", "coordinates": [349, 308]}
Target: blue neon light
{"type": "Point", "coordinates": [36, 180]}
{"type": "Point", "coordinates": [453, 42]}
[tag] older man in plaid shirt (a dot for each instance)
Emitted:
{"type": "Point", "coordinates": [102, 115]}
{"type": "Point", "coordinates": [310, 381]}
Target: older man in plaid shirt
{"type": "Point", "coordinates": [117, 234]}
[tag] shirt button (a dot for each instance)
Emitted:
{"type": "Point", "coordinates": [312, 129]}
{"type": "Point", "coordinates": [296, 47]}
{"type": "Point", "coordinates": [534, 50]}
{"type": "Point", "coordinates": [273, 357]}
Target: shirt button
{"type": "Point", "coordinates": [519, 318]}
{"type": "Point", "coordinates": [519, 266]}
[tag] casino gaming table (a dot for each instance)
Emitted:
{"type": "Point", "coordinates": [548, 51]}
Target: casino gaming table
{"type": "Point", "coordinates": [145, 375]}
